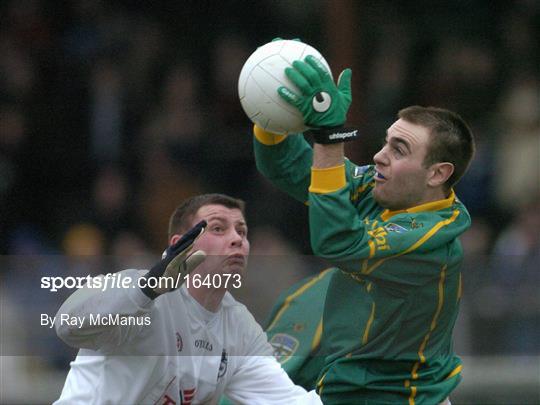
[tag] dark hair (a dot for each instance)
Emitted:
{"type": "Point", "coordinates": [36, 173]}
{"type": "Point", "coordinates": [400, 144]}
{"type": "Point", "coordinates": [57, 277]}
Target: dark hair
{"type": "Point", "coordinates": [180, 220]}
{"type": "Point", "coordinates": [451, 140]}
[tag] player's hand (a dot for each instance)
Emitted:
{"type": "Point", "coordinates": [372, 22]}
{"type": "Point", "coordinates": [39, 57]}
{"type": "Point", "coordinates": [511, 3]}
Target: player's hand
{"type": "Point", "coordinates": [176, 263]}
{"type": "Point", "coordinates": [321, 102]}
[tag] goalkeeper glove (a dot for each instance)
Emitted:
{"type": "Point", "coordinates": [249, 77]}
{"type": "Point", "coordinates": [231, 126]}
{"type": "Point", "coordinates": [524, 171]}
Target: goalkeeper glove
{"type": "Point", "coordinates": [323, 105]}
{"type": "Point", "coordinates": [175, 264]}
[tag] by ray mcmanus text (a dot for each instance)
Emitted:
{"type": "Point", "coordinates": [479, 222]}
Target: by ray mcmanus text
{"type": "Point", "coordinates": [94, 320]}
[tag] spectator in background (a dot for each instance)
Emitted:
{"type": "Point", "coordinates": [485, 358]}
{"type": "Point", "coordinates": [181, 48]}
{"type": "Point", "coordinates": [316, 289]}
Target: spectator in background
{"type": "Point", "coordinates": [129, 250]}
{"type": "Point", "coordinates": [84, 240]}
{"type": "Point", "coordinates": [111, 208]}
{"type": "Point", "coordinates": [229, 153]}
{"type": "Point", "coordinates": [515, 278]}
{"type": "Point", "coordinates": [107, 112]}
{"type": "Point", "coordinates": [170, 150]}
{"type": "Point", "coordinates": [517, 153]}
{"type": "Point", "coordinates": [30, 256]}
{"type": "Point", "coordinates": [84, 250]}
{"type": "Point", "coordinates": [469, 331]}
{"type": "Point", "coordinates": [13, 134]}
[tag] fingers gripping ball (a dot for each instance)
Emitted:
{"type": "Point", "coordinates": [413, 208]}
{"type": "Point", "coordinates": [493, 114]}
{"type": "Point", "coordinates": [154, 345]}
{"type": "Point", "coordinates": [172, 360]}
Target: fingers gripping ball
{"type": "Point", "coordinates": [321, 102]}
{"type": "Point", "coordinates": [261, 77]}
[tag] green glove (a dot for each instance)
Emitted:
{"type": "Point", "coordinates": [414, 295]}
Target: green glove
{"type": "Point", "coordinates": [322, 103]}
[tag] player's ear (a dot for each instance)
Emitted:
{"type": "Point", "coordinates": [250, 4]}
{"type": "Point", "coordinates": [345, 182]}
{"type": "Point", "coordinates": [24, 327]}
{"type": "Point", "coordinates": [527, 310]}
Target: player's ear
{"type": "Point", "coordinates": [439, 173]}
{"type": "Point", "coordinates": [174, 238]}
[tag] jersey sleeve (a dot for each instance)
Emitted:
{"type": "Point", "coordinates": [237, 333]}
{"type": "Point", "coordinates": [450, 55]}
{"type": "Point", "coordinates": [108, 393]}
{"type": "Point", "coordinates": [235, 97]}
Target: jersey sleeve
{"type": "Point", "coordinates": [285, 161]}
{"type": "Point", "coordinates": [88, 303]}
{"type": "Point", "coordinates": [359, 242]}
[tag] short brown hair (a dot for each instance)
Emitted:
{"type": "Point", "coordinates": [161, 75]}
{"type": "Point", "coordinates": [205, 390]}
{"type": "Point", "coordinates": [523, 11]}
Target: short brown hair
{"type": "Point", "coordinates": [451, 139]}
{"type": "Point", "coordinates": [180, 220]}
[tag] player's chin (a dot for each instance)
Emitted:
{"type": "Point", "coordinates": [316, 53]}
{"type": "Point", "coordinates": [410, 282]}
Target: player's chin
{"type": "Point", "coordinates": [235, 268]}
{"type": "Point", "coordinates": [380, 198]}
{"type": "Point", "coordinates": [378, 195]}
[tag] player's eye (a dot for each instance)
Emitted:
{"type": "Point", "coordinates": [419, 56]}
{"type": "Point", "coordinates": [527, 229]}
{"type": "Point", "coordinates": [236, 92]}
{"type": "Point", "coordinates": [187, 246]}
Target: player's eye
{"type": "Point", "coordinates": [217, 228]}
{"type": "Point", "coordinates": [242, 232]}
{"type": "Point", "coordinates": [398, 151]}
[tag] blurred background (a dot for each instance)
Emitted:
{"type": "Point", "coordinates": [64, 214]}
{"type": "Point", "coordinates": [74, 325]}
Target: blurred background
{"type": "Point", "coordinates": [111, 113]}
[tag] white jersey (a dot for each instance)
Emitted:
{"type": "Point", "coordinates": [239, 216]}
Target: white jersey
{"type": "Point", "coordinates": [173, 351]}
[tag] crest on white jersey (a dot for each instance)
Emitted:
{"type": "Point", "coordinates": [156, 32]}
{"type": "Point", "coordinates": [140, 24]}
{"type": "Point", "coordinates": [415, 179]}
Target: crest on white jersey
{"type": "Point", "coordinates": [222, 364]}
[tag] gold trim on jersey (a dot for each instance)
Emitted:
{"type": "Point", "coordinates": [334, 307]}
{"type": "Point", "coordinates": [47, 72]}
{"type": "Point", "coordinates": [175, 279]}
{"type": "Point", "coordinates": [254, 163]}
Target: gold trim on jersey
{"type": "Point", "coordinates": [320, 384]}
{"type": "Point", "coordinates": [455, 372]}
{"type": "Point", "coordinates": [432, 326]}
{"type": "Point", "coordinates": [317, 336]}
{"type": "Point", "coordinates": [413, 391]}
{"type": "Point", "coordinates": [267, 138]}
{"type": "Point", "coordinates": [328, 179]}
{"type": "Point", "coordinates": [430, 206]}
{"type": "Point", "coordinates": [294, 295]}
{"type": "Point", "coordinates": [365, 337]}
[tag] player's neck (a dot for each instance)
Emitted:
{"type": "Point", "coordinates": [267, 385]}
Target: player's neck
{"type": "Point", "coordinates": [209, 298]}
{"type": "Point", "coordinates": [432, 195]}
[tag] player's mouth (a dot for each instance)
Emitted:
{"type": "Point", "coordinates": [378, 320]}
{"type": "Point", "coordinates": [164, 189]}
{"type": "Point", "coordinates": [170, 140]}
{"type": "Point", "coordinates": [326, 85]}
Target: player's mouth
{"type": "Point", "coordinates": [379, 177]}
{"type": "Point", "coordinates": [236, 258]}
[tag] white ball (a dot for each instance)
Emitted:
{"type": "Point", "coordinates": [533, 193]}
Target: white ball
{"type": "Point", "coordinates": [261, 76]}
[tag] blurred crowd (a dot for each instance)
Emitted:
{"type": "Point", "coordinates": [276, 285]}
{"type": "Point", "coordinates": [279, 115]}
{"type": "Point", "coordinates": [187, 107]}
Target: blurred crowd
{"type": "Point", "coordinates": [111, 113]}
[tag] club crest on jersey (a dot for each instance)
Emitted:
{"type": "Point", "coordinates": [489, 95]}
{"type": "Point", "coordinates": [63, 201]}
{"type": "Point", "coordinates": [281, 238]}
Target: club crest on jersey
{"type": "Point", "coordinates": [391, 227]}
{"type": "Point", "coordinates": [359, 171]}
{"type": "Point", "coordinates": [284, 346]}
{"type": "Point", "coordinates": [222, 364]}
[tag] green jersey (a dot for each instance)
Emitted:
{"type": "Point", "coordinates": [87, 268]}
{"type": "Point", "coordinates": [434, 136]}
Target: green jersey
{"type": "Point", "coordinates": [390, 312]}
{"type": "Point", "coordinates": [294, 328]}
{"type": "Point", "coordinates": [295, 333]}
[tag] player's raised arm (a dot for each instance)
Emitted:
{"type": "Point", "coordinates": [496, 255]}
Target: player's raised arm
{"type": "Point", "coordinates": [91, 317]}
{"type": "Point", "coordinates": [285, 161]}
{"type": "Point", "coordinates": [306, 88]}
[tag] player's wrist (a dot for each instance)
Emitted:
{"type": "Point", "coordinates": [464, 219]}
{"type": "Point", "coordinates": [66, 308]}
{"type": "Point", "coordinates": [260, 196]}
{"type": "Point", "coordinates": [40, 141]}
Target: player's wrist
{"type": "Point", "coordinates": [331, 135]}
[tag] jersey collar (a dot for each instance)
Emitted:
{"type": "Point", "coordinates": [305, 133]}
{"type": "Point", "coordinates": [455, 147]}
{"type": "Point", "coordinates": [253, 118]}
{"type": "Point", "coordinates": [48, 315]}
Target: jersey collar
{"type": "Point", "coordinates": [430, 206]}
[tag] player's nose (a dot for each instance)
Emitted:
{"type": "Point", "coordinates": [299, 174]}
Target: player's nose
{"type": "Point", "coordinates": [380, 157]}
{"type": "Point", "coordinates": [236, 239]}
